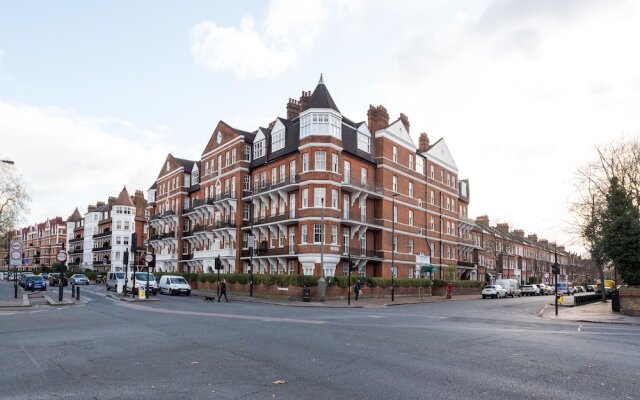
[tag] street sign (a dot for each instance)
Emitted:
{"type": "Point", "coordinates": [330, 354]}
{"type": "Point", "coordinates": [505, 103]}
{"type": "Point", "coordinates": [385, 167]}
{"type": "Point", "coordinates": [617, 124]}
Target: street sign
{"type": "Point", "coordinates": [62, 256]}
{"type": "Point", "coordinates": [105, 260]}
{"type": "Point", "coordinates": [251, 241]}
{"type": "Point", "coordinates": [148, 257]}
{"type": "Point", "coordinates": [15, 253]}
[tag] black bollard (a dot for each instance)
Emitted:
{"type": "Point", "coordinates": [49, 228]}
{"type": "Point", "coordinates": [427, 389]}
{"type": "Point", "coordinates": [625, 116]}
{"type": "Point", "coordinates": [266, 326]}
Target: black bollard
{"type": "Point", "coordinates": [77, 293]}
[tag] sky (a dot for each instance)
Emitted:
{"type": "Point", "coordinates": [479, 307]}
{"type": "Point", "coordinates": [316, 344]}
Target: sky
{"type": "Point", "coordinates": [93, 95]}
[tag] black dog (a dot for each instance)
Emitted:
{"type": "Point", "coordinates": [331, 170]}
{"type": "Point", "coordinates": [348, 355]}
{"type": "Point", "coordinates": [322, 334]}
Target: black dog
{"type": "Point", "coordinates": [209, 298]}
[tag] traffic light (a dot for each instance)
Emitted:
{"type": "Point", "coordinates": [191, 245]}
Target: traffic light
{"type": "Point", "coordinates": [555, 268]}
{"type": "Point", "coordinates": [134, 243]}
{"type": "Point", "coordinates": [125, 258]}
{"type": "Point", "coordinates": [352, 266]}
{"type": "Point", "coordinates": [218, 263]}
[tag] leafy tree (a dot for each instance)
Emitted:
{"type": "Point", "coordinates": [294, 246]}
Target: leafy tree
{"type": "Point", "coordinates": [621, 232]}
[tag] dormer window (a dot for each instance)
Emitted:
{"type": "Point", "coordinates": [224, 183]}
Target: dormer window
{"type": "Point", "coordinates": [277, 140]}
{"type": "Point", "coordinates": [258, 149]}
{"type": "Point", "coordinates": [320, 124]}
{"type": "Point", "coordinates": [194, 177]}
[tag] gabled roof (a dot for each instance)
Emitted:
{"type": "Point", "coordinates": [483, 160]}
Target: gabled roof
{"type": "Point", "coordinates": [186, 164]}
{"type": "Point", "coordinates": [226, 130]}
{"type": "Point", "coordinates": [75, 216]}
{"type": "Point", "coordinates": [321, 98]}
{"type": "Point", "coordinates": [440, 151]}
{"type": "Point", "coordinates": [124, 199]}
{"type": "Point", "coordinates": [175, 163]}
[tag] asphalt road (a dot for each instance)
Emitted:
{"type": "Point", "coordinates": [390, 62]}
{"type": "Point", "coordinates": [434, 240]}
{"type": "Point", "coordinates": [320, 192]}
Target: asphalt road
{"type": "Point", "coordinates": [182, 347]}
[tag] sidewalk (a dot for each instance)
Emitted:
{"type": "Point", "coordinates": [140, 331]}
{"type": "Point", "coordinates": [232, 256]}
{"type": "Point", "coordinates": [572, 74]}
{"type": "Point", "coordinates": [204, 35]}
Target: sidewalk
{"type": "Point", "coordinates": [6, 296]}
{"type": "Point", "coordinates": [336, 303]}
{"type": "Point", "coordinates": [595, 312]}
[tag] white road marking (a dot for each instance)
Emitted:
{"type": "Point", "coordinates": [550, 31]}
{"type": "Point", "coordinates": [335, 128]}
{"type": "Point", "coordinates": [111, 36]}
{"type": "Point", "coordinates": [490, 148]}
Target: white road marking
{"type": "Point", "coordinates": [220, 315]}
{"type": "Point", "coordinates": [580, 328]}
{"type": "Point", "coordinates": [33, 360]}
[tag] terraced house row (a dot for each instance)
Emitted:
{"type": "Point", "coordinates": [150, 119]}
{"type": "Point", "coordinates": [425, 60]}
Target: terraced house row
{"type": "Point", "coordinates": [315, 188]}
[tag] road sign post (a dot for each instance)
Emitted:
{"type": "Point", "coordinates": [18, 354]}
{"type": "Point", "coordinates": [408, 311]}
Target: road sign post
{"type": "Point", "coordinates": [15, 259]}
{"type": "Point", "coordinates": [62, 258]}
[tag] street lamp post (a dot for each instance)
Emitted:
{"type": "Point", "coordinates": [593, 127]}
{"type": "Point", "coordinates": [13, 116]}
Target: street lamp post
{"type": "Point", "coordinates": [393, 247]}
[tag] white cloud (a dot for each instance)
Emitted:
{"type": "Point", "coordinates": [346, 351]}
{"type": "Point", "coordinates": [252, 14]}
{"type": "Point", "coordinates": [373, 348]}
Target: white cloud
{"type": "Point", "coordinates": [71, 160]}
{"type": "Point", "coordinates": [289, 30]}
{"type": "Point", "coordinates": [522, 97]}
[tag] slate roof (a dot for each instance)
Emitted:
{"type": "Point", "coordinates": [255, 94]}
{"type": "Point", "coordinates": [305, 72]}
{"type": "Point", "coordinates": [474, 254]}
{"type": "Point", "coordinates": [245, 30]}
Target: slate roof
{"type": "Point", "coordinates": [186, 164]}
{"type": "Point", "coordinates": [321, 98]}
{"type": "Point", "coordinates": [124, 199]}
{"type": "Point", "coordinates": [75, 216]}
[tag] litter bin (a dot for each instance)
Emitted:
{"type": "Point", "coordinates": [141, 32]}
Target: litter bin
{"type": "Point", "coordinates": [306, 294]}
{"type": "Point", "coordinates": [615, 301]}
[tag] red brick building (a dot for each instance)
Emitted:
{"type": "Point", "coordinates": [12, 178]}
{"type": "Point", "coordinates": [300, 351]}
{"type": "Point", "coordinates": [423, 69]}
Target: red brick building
{"type": "Point", "coordinates": [311, 189]}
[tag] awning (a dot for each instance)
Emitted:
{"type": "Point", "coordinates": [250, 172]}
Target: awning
{"type": "Point", "coordinates": [428, 268]}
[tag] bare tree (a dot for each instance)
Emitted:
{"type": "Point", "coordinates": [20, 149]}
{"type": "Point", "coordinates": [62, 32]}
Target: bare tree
{"type": "Point", "coordinates": [14, 199]}
{"type": "Point", "coordinates": [618, 159]}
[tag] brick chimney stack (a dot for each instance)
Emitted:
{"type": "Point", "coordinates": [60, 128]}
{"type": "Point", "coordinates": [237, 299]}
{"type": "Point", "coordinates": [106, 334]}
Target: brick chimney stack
{"type": "Point", "coordinates": [405, 121]}
{"type": "Point", "coordinates": [138, 201]}
{"type": "Point", "coordinates": [293, 109]}
{"type": "Point", "coordinates": [518, 232]}
{"type": "Point", "coordinates": [99, 203]}
{"type": "Point", "coordinates": [304, 99]}
{"type": "Point", "coordinates": [533, 237]}
{"type": "Point", "coordinates": [111, 201]}
{"type": "Point", "coordinates": [91, 208]}
{"type": "Point", "coordinates": [378, 118]}
{"type": "Point", "coordinates": [482, 220]}
{"type": "Point", "coordinates": [423, 143]}
{"type": "Point", "coordinates": [503, 227]}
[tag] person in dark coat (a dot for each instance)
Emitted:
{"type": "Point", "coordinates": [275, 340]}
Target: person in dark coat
{"type": "Point", "coordinates": [356, 289]}
{"type": "Point", "coordinates": [223, 291]}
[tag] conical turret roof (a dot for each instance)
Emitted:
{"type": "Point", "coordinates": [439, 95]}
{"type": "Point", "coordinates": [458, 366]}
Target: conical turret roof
{"type": "Point", "coordinates": [75, 216]}
{"type": "Point", "coordinates": [124, 199]}
{"type": "Point", "coordinates": [321, 98]}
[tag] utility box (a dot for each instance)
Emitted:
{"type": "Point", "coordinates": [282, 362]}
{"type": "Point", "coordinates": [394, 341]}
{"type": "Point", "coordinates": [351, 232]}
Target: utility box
{"type": "Point", "coordinates": [141, 292]}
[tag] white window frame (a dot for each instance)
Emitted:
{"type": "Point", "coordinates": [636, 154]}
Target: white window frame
{"type": "Point", "coordinates": [320, 161]}
{"type": "Point", "coordinates": [258, 149]}
{"type": "Point", "coordinates": [277, 140]}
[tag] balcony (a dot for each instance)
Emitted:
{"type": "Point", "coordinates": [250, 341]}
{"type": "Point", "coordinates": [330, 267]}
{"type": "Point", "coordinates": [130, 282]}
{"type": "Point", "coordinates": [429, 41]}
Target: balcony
{"type": "Point", "coordinates": [351, 183]}
{"type": "Point", "coordinates": [199, 203]}
{"type": "Point", "coordinates": [224, 196]}
{"type": "Point", "coordinates": [269, 219]}
{"type": "Point", "coordinates": [224, 224]}
{"type": "Point", "coordinates": [351, 218]}
{"type": "Point", "coordinates": [103, 234]}
{"type": "Point", "coordinates": [101, 249]}
{"type": "Point", "coordinates": [166, 257]}
{"type": "Point", "coordinates": [210, 254]}
{"type": "Point", "coordinates": [276, 251]}
{"type": "Point", "coordinates": [75, 250]}
{"type": "Point", "coordinates": [265, 187]}
{"type": "Point", "coordinates": [76, 240]}
{"type": "Point", "coordinates": [357, 252]}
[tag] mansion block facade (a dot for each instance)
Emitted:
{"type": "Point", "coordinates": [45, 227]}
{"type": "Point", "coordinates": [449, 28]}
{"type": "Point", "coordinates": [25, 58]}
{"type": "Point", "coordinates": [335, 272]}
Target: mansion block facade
{"type": "Point", "coordinates": [313, 186]}
{"type": "Point", "coordinates": [99, 239]}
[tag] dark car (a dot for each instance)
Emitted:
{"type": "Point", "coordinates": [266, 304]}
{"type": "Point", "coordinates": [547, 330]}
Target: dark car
{"type": "Point", "coordinates": [54, 279]}
{"type": "Point", "coordinates": [35, 282]}
{"type": "Point", "coordinates": [23, 278]}
{"type": "Point", "coordinates": [607, 291]}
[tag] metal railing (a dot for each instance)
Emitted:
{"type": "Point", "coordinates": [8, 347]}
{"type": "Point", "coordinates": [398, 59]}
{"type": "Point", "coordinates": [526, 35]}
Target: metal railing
{"type": "Point", "coordinates": [261, 188]}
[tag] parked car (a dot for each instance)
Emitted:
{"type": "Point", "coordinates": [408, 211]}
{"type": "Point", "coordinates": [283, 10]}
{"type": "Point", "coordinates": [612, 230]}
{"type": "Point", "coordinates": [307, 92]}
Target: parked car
{"type": "Point", "coordinates": [530, 290]}
{"type": "Point", "coordinates": [44, 275]}
{"type": "Point", "coordinates": [23, 278]}
{"type": "Point", "coordinates": [2, 275]}
{"type": "Point", "coordinates": [511, 286]}
{"type": "Point", "coordinates": [79, 279]}
{"type": "Point", "coordinates": [141, 280]}
{"type": "Point", "coordinates": [566, 288]}
{"type": "Point", "coordinates": [591, 288]}
{"type": "Point", "coordinates": [35, 282]}
{"type": "Point", "coordinates": [100, 279]}
{"type": "Point", "coordinates": [545, 289]}
{"type": "Point", "coordinates": [113, 278]}
{"type": "Point", "coordinates": [54, 279]}
{"type": "Point", "coordinates": [580, 289]}
{"type": "Point", "coordinates": [607, 291]}
{"type": "Point", "coordinates": [494, 291]}
{"type": "Point", "coordinates": [173, 284]}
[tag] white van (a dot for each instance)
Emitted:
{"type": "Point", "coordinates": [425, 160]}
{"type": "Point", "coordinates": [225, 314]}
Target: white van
{"type": "Point", "coordinates": [141, 280]}
{"type": "Point", "coordinates": [511, 285]}
{"type": "Point", "coordinates": [174, 284]}
{"type": "Point", "coordinates": [113, 279]}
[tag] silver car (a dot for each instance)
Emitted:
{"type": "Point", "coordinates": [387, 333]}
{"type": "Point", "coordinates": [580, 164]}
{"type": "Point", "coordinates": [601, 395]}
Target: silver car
{"type": "Point", "coordinates": [79, 279]}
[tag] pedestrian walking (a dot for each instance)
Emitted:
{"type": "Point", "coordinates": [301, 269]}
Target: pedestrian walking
{"type": "Point", "coordinates": [356, 289]}
{"type": "Point", "coordinates": [223, 291]}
